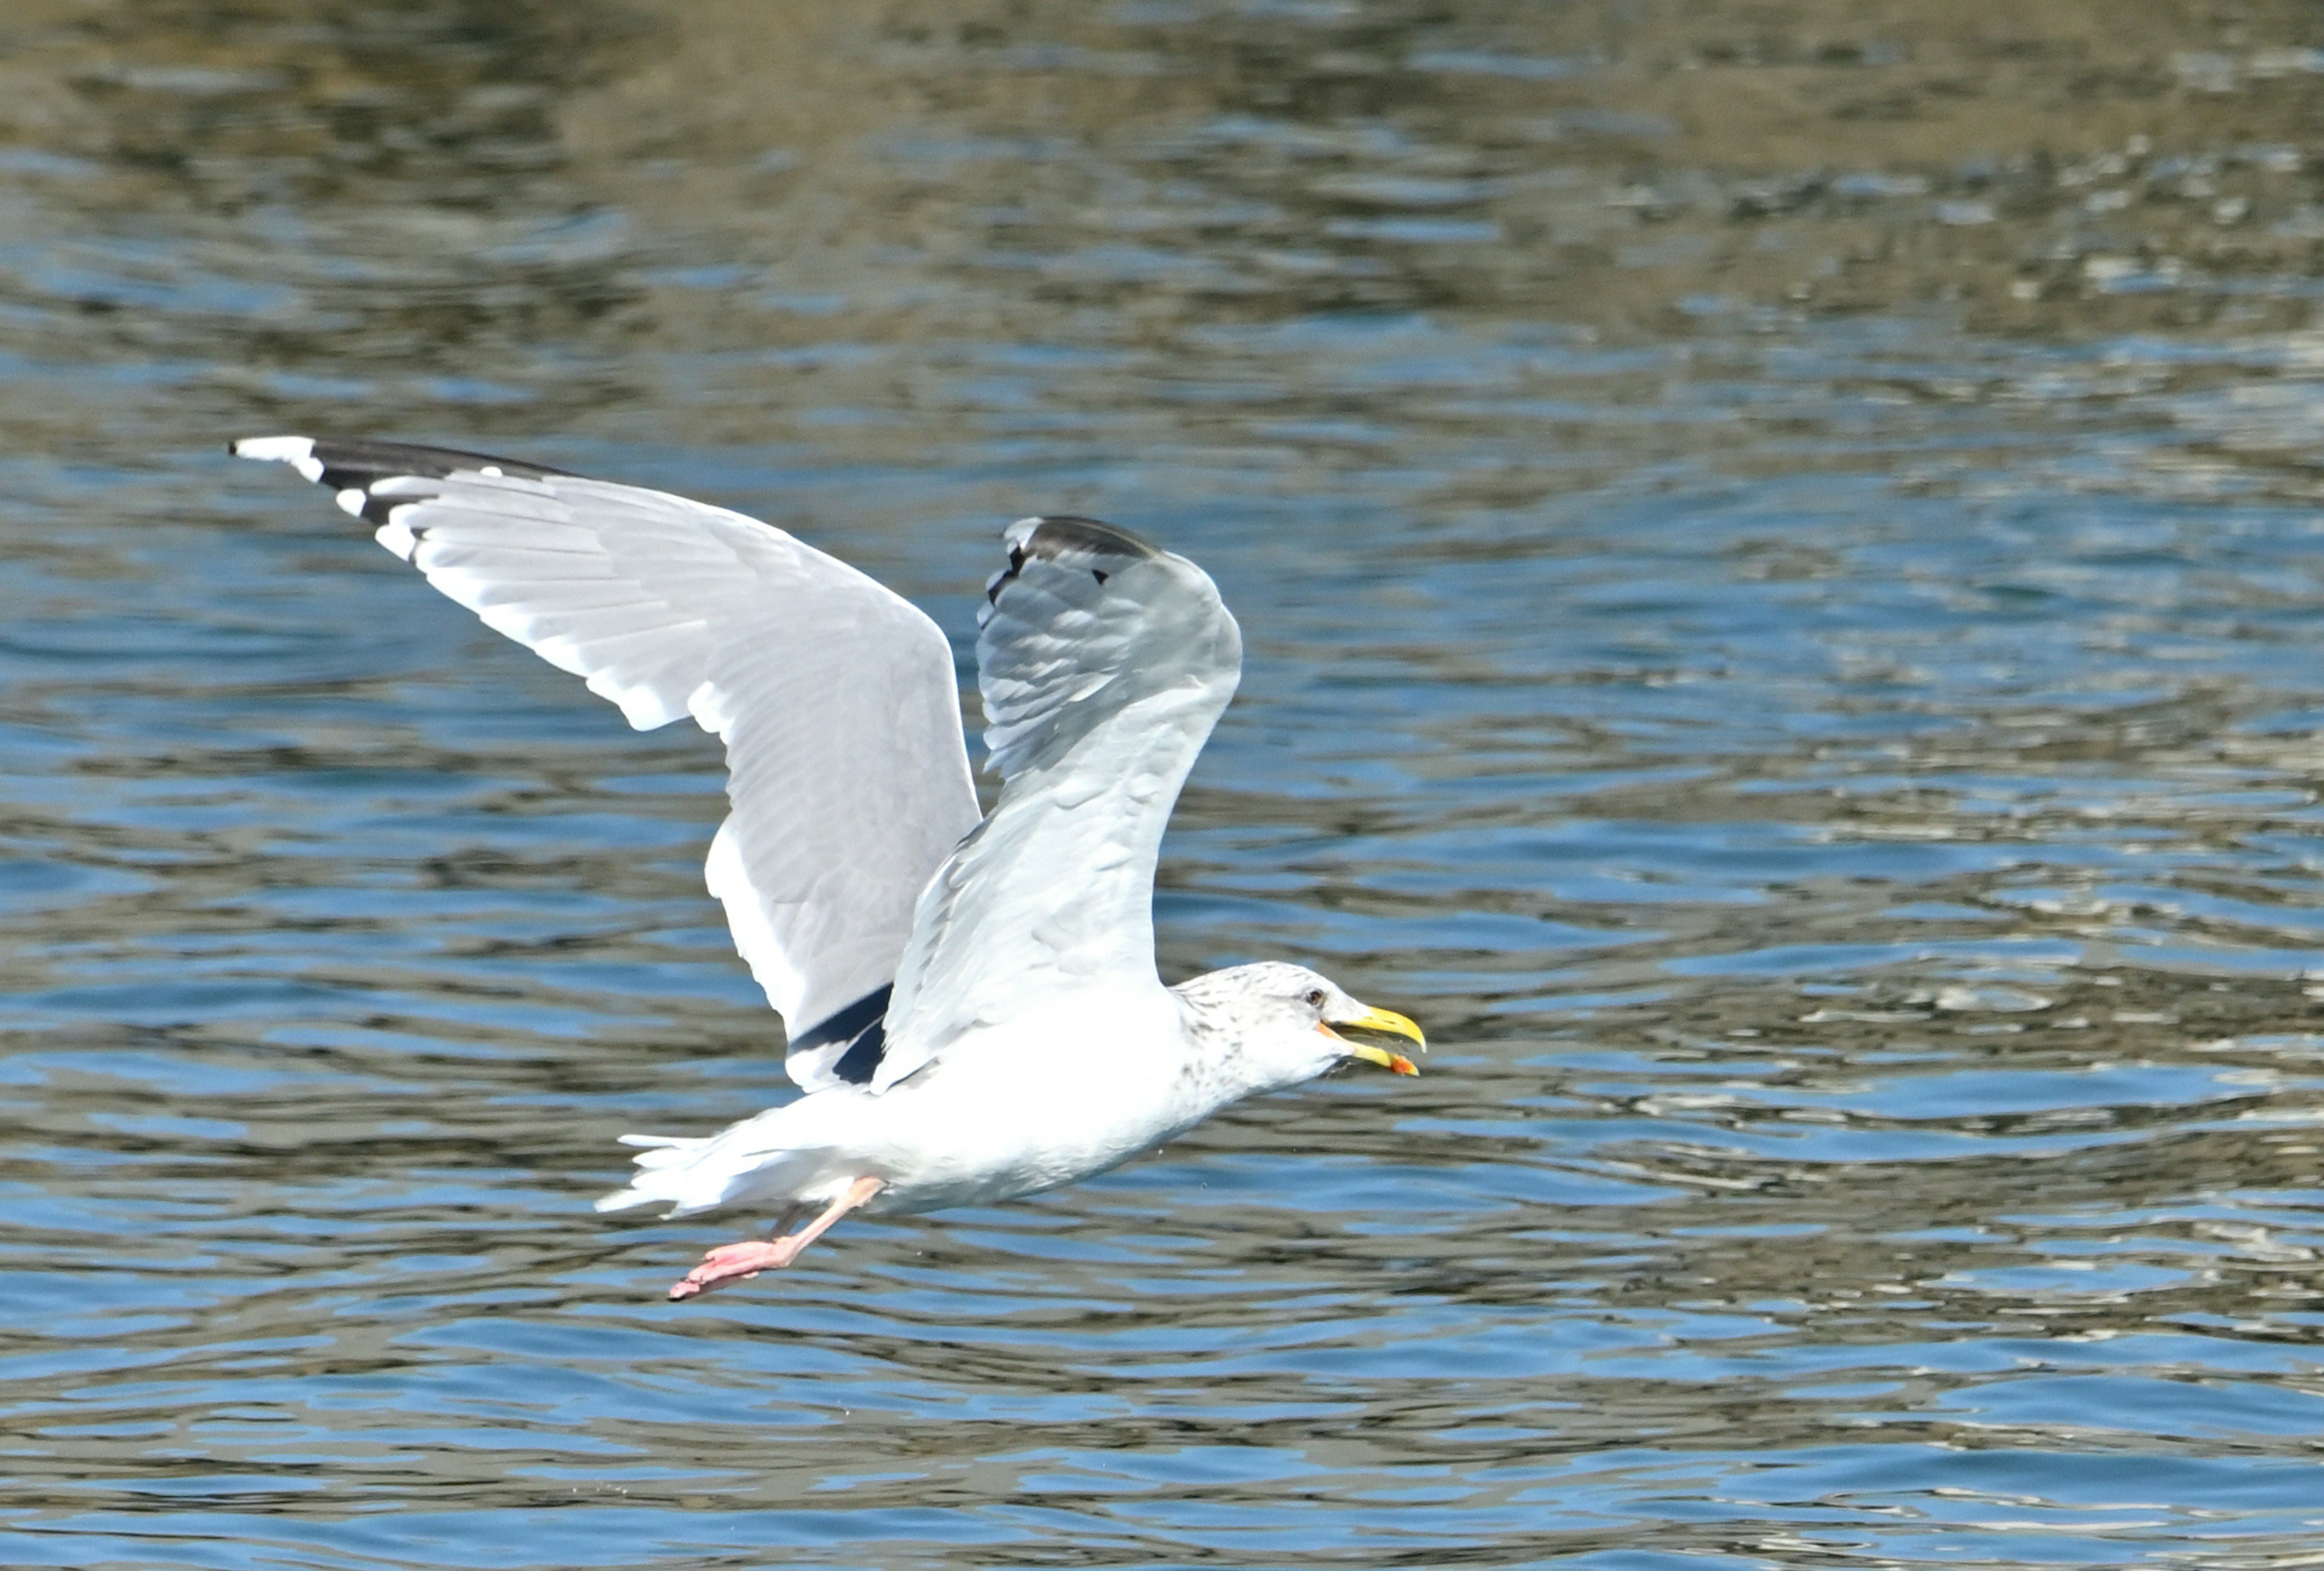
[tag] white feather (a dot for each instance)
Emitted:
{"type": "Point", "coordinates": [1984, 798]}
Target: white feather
{"type": "Point", "coordinates": [837, 699]}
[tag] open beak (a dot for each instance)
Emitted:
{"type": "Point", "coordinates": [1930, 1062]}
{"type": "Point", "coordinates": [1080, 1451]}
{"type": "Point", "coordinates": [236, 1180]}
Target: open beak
{"type": "Point", "coordinates": [1388, 1022]}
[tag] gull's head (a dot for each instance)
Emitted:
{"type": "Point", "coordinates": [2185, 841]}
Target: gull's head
{"type": "Point", "coordinates": [1290, 1025]}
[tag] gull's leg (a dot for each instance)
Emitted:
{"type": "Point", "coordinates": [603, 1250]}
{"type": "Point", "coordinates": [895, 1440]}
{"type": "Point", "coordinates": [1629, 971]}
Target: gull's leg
{"type": "Point", "coordinates": [858, 1192]}
{"type": "Point", "coordinates": [729, 1262]}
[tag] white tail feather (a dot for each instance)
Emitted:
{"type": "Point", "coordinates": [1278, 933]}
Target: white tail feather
{"type": "Point", "coordinates": [667, 1172]}
{"type": "Point", "coordinates": [736, 1164]}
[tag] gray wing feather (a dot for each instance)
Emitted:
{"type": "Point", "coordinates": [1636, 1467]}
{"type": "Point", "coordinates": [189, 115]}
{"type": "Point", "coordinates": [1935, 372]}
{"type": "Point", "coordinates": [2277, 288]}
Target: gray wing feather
{"type": "Point", "coordinates": [837, 699]}
{"type": "Point", "coordinates": [1105, 663]}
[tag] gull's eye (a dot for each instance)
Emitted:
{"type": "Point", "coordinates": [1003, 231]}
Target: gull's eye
{"type": "Point", "coordinates": [1314, 998]}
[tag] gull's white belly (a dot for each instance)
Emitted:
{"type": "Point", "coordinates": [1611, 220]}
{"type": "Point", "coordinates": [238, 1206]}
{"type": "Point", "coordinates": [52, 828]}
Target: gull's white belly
{"type": "Point", "coordinates": [1039, 1102]}
{"type": "Point", "coordinates": [961, 1144]}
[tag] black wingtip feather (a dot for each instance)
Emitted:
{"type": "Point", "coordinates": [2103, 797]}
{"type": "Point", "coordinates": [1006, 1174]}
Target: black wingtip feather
{"type": "Point", "coordinates": [861, 1025]}
{"type": "Point", "coordinates": [1064, 534]}
{"type": "Point", "coordinates": [345, 464]}
{"type": "Point", "coordinates": [1054, 538]}
{"type": "Point", "coordinates": [358, 461]}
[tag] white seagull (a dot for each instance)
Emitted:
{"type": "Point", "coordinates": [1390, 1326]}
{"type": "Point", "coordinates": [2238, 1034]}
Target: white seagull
{"type": "Point", "coordinates": [973, 1004]}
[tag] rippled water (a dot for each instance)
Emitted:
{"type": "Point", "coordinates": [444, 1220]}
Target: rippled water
{"type": "Point", "coordinates": [1781, 564]}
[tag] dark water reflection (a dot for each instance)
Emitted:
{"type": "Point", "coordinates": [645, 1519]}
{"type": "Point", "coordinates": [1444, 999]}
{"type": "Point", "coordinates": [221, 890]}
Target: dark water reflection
{"type": "Point", "coordinates": [1778, 547]}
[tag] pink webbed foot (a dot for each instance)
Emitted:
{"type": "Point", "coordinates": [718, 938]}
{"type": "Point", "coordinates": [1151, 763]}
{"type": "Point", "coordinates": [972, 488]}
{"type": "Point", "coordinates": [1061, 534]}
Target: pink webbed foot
{"type": "Point", "coordinates": [731, 1263]}
{"type": "Point", "coordinates": [734, 1262]}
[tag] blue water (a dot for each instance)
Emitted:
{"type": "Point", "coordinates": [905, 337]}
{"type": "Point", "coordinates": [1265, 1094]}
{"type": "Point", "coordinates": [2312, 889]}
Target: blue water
{"type": "Point", "coordinates": [1812, 694]}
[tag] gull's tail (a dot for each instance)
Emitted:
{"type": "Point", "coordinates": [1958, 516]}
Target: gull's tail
{"type": "Point", "coordinates": [669, 1170]}
{"type": "Point", "coordinates": [738, 1163]}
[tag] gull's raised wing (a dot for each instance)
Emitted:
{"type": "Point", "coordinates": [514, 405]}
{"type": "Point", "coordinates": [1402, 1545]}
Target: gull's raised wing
{"type": "Point", "coordinates": [835, 698]}
{"type": "Point", "coordinates": [1105, 663]}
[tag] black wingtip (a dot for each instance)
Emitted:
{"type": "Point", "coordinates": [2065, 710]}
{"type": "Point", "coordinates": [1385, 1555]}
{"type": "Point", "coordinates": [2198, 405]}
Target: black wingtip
{"type": "Point", "coordinates": [363, 457]}
{"type": "Point", "coordinates": [1058, 534]}
{"type": "Point", "coordinates": [1057, 537]}
{"type": "Point", "coordinates": [861, 1026]}
{"type": "Point", "coordinates": [342, 461]}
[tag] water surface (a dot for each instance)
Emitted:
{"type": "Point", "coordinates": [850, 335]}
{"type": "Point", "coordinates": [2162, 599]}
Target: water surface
{"type": "Point", "coordinates": [1781, 567]}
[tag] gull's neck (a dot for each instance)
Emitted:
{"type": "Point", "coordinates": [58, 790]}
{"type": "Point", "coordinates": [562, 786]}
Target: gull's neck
{"type": "Point", "coordinates": [1217, 1061]}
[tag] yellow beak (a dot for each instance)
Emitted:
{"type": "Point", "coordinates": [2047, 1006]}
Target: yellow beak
{"type": "Point", "coordinates": [1385, 1020]}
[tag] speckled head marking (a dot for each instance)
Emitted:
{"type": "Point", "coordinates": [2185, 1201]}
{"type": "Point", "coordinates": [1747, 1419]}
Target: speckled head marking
{"type": "Point", "coordinates": [1270, 1025]}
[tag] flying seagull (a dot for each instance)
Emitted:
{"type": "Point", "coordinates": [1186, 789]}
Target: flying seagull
{"type": "Point", "coordinates": [971, 1001]}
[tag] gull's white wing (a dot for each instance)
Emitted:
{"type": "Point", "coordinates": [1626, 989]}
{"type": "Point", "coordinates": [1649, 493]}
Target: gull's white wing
{"type": "Point", "coordinates": [1105, 663]}
{"type": "Point", "coordinates": [835, 698]}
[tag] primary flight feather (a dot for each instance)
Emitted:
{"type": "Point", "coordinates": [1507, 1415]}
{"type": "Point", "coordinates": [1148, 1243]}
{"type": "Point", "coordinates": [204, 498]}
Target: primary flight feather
{"type": "Point", "coordinates": [971, 1001]}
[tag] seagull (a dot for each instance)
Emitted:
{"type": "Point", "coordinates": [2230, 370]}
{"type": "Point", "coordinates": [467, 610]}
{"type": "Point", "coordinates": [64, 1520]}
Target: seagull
{"type": "Point", "coordinates": [972, 1007]}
